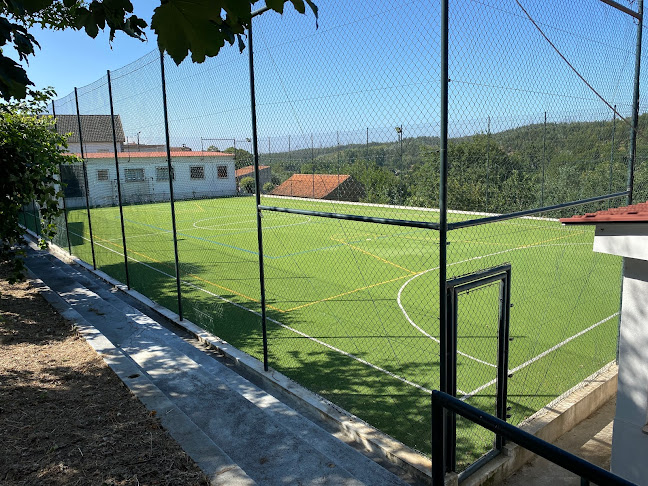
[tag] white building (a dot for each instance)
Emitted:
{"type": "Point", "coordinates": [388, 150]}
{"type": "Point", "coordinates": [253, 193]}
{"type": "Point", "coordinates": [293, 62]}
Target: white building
{"type": "Point", "coordinates": [144, 177]}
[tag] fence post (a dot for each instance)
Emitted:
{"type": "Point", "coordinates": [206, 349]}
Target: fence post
{"type": "Point", "coordinates": [612, 152]}
{"type": "Point", "coordinates": [544, 156]}
{"type": "Point", "coordinates": [65, 215]}
{"type": "Point", "coordinates": [445, 332]}
{"type": "Point", "coordinates": [119, 196]}
{"type": "Point", "coordinates": [635, 103]}
{"type": "Point", "coordinates": [488, 134]}
{"type": "Point", "coordinates": [255, 150]}
{"type": "Point", "coordinates": [170, 169]}
{"type": "Point", "coordinates": [85, 180]}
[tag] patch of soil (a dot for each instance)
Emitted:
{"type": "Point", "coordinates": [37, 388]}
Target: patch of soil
{"type": "Point", "coordinates": [65, 417]}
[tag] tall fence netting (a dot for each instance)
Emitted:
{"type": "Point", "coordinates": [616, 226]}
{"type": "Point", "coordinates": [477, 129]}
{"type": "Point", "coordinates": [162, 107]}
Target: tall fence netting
{"type": "Point", "coordinates": [540, 110]}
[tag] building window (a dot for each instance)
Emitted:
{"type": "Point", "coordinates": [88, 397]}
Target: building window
{"type": "Point", "coordinates": [162, 173]}
{"type": "Point", "coordinates": [222, 171]}
{"type": "Point", "coordinates": [102, 175]}
{"type": "Point", "coordinates": [134, 175]}
{"type": "Point", "coordinates": [197, 171]}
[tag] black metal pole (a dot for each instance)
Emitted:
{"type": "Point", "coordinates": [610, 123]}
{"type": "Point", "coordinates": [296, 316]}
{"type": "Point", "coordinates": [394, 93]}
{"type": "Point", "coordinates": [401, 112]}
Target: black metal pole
{"type": "Point", "coordinates": [170, 169]}
{"type": "Point", "coordinates": [612, 151]}
{"type": "Point", "coordinates": [487, 161]}
{"type": "Point", "coordinates": [544, 155]}
{"type": "Point", "coordinates": [85, 180]}
{"type": "Point", "coordinates": [35, 217]}
{"type": "Point", "coordinates": [635, 103]}
{"type": "Point", "coordinates": [503, 353]}
{"type": "Point", "coordinates": [65, 215]}
{"type": "Point", "coordinates": [445, 333]}
{"type": "Point", "coordinates": [119, 195]}
{"type": "Point", "coordinates": [255, 149]}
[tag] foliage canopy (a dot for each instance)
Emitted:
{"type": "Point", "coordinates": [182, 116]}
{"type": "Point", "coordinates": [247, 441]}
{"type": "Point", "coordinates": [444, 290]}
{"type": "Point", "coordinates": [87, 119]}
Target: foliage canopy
{"type": "Point", "coordinates": [31, 153]}
{"type": "Point", "coordinates": [201, 27]}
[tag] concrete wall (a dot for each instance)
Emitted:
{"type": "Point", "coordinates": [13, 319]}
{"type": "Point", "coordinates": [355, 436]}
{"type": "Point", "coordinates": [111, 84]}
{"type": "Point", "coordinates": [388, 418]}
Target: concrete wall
{"type": "Point", "coordinates": [104, 192]}
{"type": "Point", "coordinates": [630, 435]}
{"type": "Point", "coordinates": [94, 147]}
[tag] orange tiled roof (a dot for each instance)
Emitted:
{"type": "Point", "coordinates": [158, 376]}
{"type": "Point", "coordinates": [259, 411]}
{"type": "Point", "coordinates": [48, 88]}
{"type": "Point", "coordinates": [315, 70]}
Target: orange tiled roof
{"type": "Point", "coordinates": [636, 213]}
{"type": "Point", "coordinates": [317, 186]}
{"type": "Point", "coordinates": [249, 169]}
{"type": "Point", "coordinates": [144, 155]}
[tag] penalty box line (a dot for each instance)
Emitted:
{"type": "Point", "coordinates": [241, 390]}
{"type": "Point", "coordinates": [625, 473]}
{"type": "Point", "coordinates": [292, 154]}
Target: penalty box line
{"type": "Point", "coordinates": [289, 328]}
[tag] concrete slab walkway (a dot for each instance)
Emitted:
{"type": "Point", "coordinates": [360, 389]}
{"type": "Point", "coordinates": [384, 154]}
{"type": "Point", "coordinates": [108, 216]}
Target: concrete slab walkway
{"type": "Point", "coordinates": [238, 433]}
{"type": "Point", "coordinates": [591, 440]}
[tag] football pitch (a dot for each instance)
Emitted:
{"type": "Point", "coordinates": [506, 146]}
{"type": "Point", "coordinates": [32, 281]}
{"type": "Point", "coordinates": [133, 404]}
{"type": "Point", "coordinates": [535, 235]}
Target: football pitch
{"type": "Point", "coordinates": [352, 307]}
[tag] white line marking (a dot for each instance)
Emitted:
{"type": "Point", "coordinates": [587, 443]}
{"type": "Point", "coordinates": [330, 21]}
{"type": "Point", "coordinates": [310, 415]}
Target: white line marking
{"type": "Point", "coordinates": [400, 292]}
{"type": "Point", "coordinates": [541, 355]}
{"type": "Point", "coordinates": [333, 348]}
{"type": "Point", "coordinates": [220, 227]}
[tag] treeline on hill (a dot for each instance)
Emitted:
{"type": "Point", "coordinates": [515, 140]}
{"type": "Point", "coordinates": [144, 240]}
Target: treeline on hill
{"type": "Point", "coordinates": [522, 168]}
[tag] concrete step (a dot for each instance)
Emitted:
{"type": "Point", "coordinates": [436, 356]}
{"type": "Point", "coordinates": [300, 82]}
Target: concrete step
{"type": "Point", "coordinates": [270, 441]}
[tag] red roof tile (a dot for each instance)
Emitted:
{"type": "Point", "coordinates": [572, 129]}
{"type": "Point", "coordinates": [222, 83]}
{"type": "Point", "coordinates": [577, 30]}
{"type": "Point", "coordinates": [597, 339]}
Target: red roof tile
{"type": "Point", "coordinates": [316, 186]}
{"type": "Point", "coordinates": [636, 213]}
{"type": "Point", "coordinates": [144, 155]}
{"type": "Point", "coordinates": [249, 169]}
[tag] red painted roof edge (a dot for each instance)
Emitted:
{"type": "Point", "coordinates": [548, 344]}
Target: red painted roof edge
{"type": "Point", "coordinates": [144, 155]}
{"type": "Point", "coordinates": [635, 213]}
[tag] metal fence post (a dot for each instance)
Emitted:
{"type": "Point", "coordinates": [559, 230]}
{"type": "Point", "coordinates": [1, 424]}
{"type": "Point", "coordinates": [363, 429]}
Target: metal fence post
{"type": "Point", "coordinates": [488, 134]}
{"type": "Point", "coordinates": [445, 384]}
{"type": "Point", "coordinates": [635, 103]}
{"type": "Point", "coordinates": [65, 215]}
{"type": "Point", "coordinates": [170, 169]}
{"type": "Point", "coordinates": [612, 151]}
{"type": "Point", "coordinates": [255, 150]}
{"type": "Point", "coordinates": [119, 196]}
{"type": "Point", "coordinates": [85, 180]}
{"type": "Point", "coordinates": [544, 156]}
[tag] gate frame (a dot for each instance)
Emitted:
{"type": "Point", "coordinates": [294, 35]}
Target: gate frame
{"type": "Point", "coordinates": [454, 287]}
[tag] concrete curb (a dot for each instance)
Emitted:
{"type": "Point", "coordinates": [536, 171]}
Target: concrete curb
{"type": "Point", "coordinates": [215, 463]}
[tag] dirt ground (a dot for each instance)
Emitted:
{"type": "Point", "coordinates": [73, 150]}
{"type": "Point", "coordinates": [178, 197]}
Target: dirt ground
{"type": "Point", "coordinates": [65, 417]}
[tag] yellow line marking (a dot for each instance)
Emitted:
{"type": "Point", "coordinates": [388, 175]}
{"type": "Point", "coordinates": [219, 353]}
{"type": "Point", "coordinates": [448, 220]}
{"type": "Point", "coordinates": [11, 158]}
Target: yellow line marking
{"type": "Point", "coordinates": [199, 207]}
{"type": "Point", "coordinates": [346, 293]}
{"type": "Point", "coordinates": [372, 255]}
{"type": "Point", "coordinates": [193, 275]}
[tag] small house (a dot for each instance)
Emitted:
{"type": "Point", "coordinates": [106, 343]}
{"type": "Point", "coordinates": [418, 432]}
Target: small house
{"type": "Point", "coordinates": [96, 130]}
{"type": "Point", "coordinates": [144, 177]}
{"type": "Point", "coordinates": [321, 186]}
{"type": "Point", "coordinates": [265, 174]}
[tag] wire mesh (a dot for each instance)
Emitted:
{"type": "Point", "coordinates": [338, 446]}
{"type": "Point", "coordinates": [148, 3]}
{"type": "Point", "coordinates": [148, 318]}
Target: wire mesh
{"type": "Point", "coordinates": [540, 102]}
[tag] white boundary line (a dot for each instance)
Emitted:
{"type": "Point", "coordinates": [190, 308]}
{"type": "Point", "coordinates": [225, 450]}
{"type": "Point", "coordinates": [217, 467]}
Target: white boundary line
{"type": "Point", "coordinates": [541, 355]}
{"type": "Point", "coordinates": [415, 208]}
{"type": "Point", "coordinates": [332, 348]}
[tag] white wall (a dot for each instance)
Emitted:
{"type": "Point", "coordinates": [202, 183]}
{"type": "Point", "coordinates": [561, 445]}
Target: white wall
{"type": "Point", "coordinates": [94, 147]}
{"type": "Point", "coordinates": [630, 438]}
{"type": "Point", "coordinates": [104, 192]}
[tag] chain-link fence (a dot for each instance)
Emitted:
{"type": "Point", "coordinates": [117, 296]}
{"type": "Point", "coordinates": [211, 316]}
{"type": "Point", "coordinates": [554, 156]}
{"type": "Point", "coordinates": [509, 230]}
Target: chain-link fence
{"type": "Point", "coordinates": [313, 217]}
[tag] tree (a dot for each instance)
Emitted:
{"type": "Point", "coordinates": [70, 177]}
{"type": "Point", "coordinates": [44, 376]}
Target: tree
{"type": "Point", "coordinates": [242, 157]}
{"type": "Point", "coordinates": [212, 148]}
{"type": "Point", "coordinates": [247, 185]}
{"type": "Point", "coordinates": [30, 155]}
{"type": "Point", "coordinates": [268, 187]}
{"type": "Point", "coordinates": [201, 27]}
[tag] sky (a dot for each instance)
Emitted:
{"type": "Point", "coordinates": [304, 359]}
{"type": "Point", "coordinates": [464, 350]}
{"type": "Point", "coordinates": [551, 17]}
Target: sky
{"type": "Point", "coordinates": [370, 65]}
{"type": "Point", "coordinates": [71, 58]}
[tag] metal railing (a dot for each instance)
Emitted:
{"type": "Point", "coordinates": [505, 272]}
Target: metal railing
{"type": "Point", "coordinates": [442, 404]}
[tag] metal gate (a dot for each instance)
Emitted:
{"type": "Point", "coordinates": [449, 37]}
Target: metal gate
{"type": "Point", "coordinates": [475, 361]}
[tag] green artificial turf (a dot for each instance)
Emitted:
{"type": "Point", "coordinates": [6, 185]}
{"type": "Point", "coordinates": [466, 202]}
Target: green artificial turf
{"type": "Point", "coordinates": [353, 307]}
